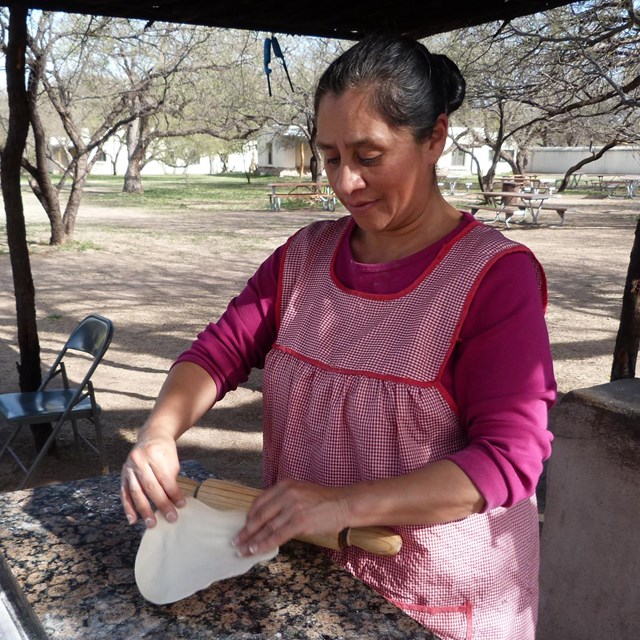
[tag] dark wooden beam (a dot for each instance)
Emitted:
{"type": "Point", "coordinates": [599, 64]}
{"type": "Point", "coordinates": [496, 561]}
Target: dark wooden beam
{"type": "Point", "coordinates": [334, 18]}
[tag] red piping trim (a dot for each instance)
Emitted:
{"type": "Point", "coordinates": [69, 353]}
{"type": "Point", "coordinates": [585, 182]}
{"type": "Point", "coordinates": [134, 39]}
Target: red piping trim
{"type": "Point", "coordinates": [280, 285]}
{"type": "Point", "coordinates": [447, 397]}
{"type": "Point", "coordinates": [392, 296]}
{"type": "Point", "coordinates": [370, 374]}
{"type": "Point", "coordinates": [471, 294]}
{"type": "Point", "coordinates": [466, 608]}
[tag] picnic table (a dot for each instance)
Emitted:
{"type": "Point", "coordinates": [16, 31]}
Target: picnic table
{"type": "Point", "coordinates": [449, 185]}
{"type": "Point", "coordinates": [510, 203]}
{"type": "Point", "coordinates": [626, 186]}
{"type": "Point", "coordinates": [595, 180]}
{"type": "Point", "coordinates": [524, 180]}
{"type": "Point", "coordinates": [311, 191]}
{"type": "Point", "coordinates": [616, 185]}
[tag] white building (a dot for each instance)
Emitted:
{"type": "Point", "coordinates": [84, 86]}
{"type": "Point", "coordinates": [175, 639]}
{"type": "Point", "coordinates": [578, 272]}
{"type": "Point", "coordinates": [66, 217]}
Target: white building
{"type": "Point", "coordinates": [112, 161]}
{"type": "Point", "coordinates": [286, 153]}
{"type": "Point", "coordinates": [457, 163]}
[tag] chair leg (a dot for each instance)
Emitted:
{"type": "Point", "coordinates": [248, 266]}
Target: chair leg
{"type": "Point", "coordinates": [16, 459]}
{"type": "Point", "coordinates": [100, 442]}
{"type": "Point", "coordinates": [6, 448]}
{"type": "Point", "coordinates": [42, 453]}
{"type": "Point", "coordinates": [76, 437]}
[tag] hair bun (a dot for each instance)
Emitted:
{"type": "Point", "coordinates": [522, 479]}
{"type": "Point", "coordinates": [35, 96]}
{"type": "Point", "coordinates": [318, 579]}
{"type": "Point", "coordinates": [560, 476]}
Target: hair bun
{"type": "Point", "coordinates": [454, 83]}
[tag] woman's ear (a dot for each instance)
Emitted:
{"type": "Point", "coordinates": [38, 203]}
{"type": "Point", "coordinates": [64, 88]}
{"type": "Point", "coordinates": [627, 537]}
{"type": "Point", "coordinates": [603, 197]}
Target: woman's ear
{"type": "Point", "coordinates": [436, 143]}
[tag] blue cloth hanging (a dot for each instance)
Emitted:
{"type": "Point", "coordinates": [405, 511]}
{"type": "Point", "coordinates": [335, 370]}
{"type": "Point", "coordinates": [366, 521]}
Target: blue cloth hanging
{"type": "Point", "coordinates": [272, 43]}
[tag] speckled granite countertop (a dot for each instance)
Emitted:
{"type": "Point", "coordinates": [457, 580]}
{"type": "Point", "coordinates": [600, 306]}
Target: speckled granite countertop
{"type": "Point", "coordinates": [72, 554]}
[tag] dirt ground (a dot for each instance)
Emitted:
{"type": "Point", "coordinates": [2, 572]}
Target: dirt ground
{"type": "Point", "coordinates": [162, 276]}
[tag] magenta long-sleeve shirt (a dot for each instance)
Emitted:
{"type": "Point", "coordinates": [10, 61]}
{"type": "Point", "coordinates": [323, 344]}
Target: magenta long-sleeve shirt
{"type": "Point", "coordinates": [502, 405]}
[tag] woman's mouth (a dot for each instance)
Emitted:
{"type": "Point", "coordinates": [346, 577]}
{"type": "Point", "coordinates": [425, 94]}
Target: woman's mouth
{"type": "Point", "coordinates": [359, 206]}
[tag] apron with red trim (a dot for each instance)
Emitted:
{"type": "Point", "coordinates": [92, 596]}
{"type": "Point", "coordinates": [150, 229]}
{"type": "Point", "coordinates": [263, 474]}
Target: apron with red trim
{"type": "Point", "coordinates": [352, 393]}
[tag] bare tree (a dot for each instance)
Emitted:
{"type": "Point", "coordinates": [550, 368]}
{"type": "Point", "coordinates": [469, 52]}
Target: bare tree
{"type": "Point", "coordinates": [29, 372]}
{"type": "Point", "coordinates": [594, 85]}
{"type": "Point", "coordinates": [152, 89]}
{"type": "Point", "coordinates": [539, 74]}
{"type": "Point", "coordinates": [61, 55]}
{"type": "Point", "coordinates": [601, 52]}
{"type": "Point", "coordinates": [216, 96]}
{"type": "Point", "coordinates": [577, 67]}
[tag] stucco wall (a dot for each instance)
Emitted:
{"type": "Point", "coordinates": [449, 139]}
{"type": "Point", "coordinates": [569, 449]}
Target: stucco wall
{"type": "Point", "coordinates": [617, 161]}
{"type": "Point", "coordinates": [589, 585]}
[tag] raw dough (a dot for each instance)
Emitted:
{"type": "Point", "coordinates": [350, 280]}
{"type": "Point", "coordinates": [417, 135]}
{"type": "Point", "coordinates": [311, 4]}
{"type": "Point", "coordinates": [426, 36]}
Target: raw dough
{"type": "Point", "coordinates": [177, 559]}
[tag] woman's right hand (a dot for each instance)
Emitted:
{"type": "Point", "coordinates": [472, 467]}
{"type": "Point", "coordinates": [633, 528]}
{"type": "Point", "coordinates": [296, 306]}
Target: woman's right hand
{"type": "Point", "coordinates": [149, 474]}
{"type": "Point", "coordinates": [150, 471]}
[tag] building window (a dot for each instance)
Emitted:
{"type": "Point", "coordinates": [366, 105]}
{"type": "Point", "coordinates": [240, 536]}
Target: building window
{"type": "Point", "coordinates": [101, 156]}
{"type": "Point", "coordinates": [458, 158]}
{"type": "Point", "coordinates": [269, 153]}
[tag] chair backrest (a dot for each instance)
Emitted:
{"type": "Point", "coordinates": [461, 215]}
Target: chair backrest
{"type": "Point", "coordinates": [93, 336]}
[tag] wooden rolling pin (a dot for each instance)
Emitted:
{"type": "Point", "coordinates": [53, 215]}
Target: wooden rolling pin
{"type": "Point", "coordinates": [229, 495]}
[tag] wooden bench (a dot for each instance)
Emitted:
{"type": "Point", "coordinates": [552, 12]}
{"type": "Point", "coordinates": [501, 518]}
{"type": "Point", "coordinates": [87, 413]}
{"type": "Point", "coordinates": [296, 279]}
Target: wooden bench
{"type": "Point", "coordinates": [510, 211]}
{"type": "Point", "coordinates": [560, 210]}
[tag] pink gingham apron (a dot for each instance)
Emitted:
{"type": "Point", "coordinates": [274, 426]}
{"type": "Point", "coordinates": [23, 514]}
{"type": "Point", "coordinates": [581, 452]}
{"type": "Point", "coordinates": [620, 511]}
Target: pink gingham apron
{"type": "Point", "coordinates": [352, 392]}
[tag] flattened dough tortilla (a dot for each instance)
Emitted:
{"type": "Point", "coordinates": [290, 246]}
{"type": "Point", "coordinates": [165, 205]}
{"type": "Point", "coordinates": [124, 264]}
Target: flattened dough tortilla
{"type": "Point", "coordinates": [177, 559]}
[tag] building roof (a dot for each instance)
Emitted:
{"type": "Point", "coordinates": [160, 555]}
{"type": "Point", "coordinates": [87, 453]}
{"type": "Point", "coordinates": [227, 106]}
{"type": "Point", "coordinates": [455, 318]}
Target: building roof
{"type": "Point", "coordinates": [349, 19]}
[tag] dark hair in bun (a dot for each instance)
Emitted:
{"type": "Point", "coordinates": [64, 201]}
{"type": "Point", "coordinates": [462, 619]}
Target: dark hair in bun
{"type": "Point", "coordinates": [408, 85]}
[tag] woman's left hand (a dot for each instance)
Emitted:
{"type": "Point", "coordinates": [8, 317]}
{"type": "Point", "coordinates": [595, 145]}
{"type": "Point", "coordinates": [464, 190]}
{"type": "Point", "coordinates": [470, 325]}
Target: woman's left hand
{"type": "Point", "coordinates": [290, 509]}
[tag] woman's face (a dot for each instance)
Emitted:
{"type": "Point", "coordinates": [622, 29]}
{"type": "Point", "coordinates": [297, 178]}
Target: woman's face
{"type": "Point", "coordinates": [379, 172]}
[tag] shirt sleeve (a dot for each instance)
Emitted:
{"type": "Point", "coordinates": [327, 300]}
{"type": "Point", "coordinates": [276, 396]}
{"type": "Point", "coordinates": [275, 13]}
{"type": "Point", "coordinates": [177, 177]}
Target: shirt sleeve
{"type": "Point", "coordinates": [502, 379]}
{"type": "Point", "coordinates": [241, 338]}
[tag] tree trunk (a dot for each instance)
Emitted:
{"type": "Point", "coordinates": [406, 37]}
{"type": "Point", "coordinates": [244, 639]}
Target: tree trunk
{"type": "Point", "coordinates": [522, 160]}
{"type": "Point", "coordinates": [315, 163]}
{"type": "Point", "coordinates": [48, 197]}
{"type": "Point", "coordinates": [41, 184]}
{"type": "Point", "coordinates": [583, 162]}
{"type": "Point", "coordinates": [132, 178]}
{"type": "Point", "coordinates": [628, 339]}
{"type": "Point", "coordinates": [29, 372]}
{"type": "Point", "coordinates": [136, 149]}
{"type": "Point", "coordinates": [80, 173]}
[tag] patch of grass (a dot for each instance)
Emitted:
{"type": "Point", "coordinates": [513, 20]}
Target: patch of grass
{"type": "Point", "coordinates": [80, 245]}
{"type": "Point", "coordinates": [231, 192]}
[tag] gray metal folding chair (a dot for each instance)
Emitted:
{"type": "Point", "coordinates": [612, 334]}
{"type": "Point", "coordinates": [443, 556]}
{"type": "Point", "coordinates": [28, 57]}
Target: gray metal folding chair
{"type": "Point", "coordinates": [91, 336]}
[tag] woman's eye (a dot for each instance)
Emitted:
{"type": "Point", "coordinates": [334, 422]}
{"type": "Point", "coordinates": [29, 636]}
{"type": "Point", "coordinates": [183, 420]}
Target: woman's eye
{"type": "Point", "coordinates": [368, 161]}
{"type": "Point", "coordinates": [332, 161]}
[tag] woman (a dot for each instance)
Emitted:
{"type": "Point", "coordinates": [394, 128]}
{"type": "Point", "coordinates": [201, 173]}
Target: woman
{"type": "Point", "coordinates": [407, 369]}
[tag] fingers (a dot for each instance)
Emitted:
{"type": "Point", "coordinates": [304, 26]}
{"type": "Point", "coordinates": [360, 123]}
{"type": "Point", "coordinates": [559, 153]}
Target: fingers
{"type": "Point", "coordinates": [287, 510]}
{"type": "Point", "coordinates": [264, 531]}
{"type": "Point", "coordinates": [260, 538]}
{"type": "Point", "coordinates": [149, 477]}
{"type": "Point", "coordinates": [134, 498]}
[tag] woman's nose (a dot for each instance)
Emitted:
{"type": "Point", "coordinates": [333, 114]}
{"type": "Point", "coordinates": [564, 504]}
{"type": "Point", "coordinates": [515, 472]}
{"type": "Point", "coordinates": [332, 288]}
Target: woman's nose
{"type": "Point", "coordinates": [348, 180]}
